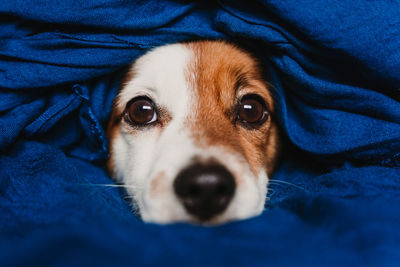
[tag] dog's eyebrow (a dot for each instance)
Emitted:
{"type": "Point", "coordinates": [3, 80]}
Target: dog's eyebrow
{"type": "Point", "coordinates": [241, 80]}
{"type": "Point", "coordinates": [151, 89]}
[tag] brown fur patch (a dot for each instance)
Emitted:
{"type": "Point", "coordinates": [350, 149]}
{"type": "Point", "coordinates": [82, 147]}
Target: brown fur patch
{"type": "Point", "coordinates": [222, 72]}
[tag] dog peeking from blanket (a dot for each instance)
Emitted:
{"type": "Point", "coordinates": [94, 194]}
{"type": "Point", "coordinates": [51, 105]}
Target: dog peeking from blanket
{"type": "Point", "coordinates": [192, 134]}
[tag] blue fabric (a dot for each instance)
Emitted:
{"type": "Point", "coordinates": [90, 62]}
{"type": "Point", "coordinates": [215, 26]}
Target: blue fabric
{"type": "Point", "coordinates": [335, 66]}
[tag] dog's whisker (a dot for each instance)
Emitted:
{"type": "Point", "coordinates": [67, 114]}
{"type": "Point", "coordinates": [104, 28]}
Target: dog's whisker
{"type": "Point", "coordinates": [115, 185]}
{"type": "Point", "coordinates": [280, 182]}
{"type": "Point", "coordinates": [270, 193]}
{"type": "Point", "coordinates": [133, 204]}
{"type": "Point", "coordinates": [135, 208]}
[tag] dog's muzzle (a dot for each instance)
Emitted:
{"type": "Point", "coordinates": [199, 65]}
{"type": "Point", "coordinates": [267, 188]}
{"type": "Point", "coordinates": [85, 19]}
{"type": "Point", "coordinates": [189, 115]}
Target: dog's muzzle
{"type": "Point", "coordinates": [205, 189]}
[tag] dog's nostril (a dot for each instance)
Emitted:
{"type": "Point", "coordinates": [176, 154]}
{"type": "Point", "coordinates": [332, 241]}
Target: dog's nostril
{"type": "Point", "coordinates": [223, 189]}
{"type": "Point", "coordinates": [205, 189]}
{"type": "Point", "coordinates": [193, 191]}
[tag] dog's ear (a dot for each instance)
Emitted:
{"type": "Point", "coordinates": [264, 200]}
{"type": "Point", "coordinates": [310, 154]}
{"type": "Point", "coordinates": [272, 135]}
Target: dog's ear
{"type": "Point", "coordinates": [116, 116]}
{"type": "Point", "coordinates": [112, 131]}
{"type": "Point", "coordinates": [272, 149]}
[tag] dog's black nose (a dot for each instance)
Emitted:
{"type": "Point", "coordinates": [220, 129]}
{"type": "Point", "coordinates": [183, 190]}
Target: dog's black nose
{"type": "Point", "coordinates": [205, 189]}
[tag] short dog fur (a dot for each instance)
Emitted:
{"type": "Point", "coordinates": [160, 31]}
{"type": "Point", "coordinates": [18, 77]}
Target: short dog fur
{"type": "Point", "coordinates": [192, 134]}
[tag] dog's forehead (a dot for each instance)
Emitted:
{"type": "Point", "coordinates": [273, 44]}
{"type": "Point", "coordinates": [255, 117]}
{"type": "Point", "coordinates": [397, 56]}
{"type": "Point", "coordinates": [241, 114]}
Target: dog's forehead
{"type": "Point", "coordinates": [159, 74]}
{"type": "Point", "coordinates": [175, 74]}
{"type": "Point", "coordinates": [220, 72]}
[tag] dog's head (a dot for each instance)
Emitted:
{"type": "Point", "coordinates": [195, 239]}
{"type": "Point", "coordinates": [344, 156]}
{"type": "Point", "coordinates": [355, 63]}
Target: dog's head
{"type": "Point", "coordinates": [192, 136]}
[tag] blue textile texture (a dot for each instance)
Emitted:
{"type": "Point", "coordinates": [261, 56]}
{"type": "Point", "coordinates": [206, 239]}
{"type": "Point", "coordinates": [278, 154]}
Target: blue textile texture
{"type": "Point", "coordinates": [335, 67]}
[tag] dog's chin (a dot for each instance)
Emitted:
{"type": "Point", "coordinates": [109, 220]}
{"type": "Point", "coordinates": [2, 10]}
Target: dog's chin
{"type": "Point", "coordinates": [215, 221]}
{"type": "Point", "coordinates": [180, 216]}
{"type": "Point", "coordinates": [223, 219]}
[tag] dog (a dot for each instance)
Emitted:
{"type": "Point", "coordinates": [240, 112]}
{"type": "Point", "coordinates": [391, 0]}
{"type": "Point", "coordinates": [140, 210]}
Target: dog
{"type": "Point", "coordinates": [193, 136]}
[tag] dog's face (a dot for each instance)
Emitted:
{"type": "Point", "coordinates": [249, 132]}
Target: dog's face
{"type": "Point", "coordinates": [192, 136]}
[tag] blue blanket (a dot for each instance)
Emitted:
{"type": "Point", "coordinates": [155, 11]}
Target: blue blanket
{"type": "Point", "coordinates": [335, 198]}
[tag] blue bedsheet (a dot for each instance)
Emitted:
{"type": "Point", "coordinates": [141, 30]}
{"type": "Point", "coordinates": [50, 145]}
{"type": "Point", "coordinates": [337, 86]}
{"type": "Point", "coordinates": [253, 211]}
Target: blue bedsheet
{"type": "Point", "coordinates": [335, 66]}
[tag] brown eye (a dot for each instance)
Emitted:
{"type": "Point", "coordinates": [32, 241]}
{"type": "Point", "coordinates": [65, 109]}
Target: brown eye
{"type": "Point", "coordinates": [252, 110]}
{"type": "Point", "coordinates": [141, 111]}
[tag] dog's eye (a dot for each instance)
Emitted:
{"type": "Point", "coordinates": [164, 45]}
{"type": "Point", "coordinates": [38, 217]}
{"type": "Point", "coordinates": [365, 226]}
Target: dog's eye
{"type": "Point", "coordinates": [141, 111]}
{"type": "Point", "coordinates": [252, 110]}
